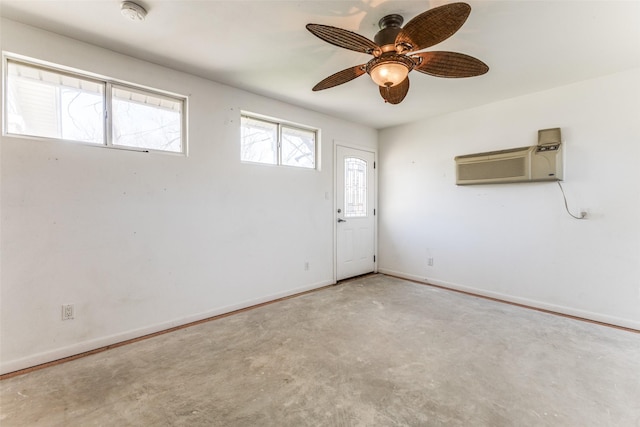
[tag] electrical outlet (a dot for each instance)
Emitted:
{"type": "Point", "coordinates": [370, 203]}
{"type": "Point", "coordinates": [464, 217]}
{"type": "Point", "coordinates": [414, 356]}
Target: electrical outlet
{"type": "Point", "coordinates": [430, 262]}
{"type": "Point", "coordinates": [68, 312]}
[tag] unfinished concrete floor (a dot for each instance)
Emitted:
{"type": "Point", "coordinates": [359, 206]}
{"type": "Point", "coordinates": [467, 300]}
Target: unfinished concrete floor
{"type": "Point", "coordinates": [376, 351]}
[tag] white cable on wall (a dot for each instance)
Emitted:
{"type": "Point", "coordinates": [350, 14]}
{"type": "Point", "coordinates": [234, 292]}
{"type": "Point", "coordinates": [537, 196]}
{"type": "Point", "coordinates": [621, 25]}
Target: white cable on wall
{"type": "Point", "coordinates": [583, 215]}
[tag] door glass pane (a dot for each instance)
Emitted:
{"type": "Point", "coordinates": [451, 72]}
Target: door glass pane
{"type": "Point", "coordinates": [355, 187]}
{"type": "Point", "coordinates": [298, 147]}
{"type": "Point", "coordinates": [49, 104]}
{"type": "Point", "coordinates": [259, 141]}
{"type": "Point", "coordinates": [146, 120]}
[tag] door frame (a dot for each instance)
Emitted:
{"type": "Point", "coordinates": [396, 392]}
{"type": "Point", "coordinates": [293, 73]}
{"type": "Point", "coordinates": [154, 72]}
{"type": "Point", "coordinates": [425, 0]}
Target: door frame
{"type": "Point", "coordinates": [334, 216]}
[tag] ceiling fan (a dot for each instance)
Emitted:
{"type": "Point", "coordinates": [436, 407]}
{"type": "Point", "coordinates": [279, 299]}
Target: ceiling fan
{"type": "Point", "coordinates": [395, 50]}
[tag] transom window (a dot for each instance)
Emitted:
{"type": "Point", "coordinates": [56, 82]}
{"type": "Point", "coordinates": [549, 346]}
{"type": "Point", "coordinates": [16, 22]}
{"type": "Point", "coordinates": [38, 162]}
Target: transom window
{"type": "Point", "coordinates": [44, 102]}
{"type": "Point", "coordinates": [273, 142]}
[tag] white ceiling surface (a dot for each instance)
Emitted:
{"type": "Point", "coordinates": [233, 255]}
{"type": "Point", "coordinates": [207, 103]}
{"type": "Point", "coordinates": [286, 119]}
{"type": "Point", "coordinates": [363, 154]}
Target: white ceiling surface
{"type": "Point", "coordinates": [263, 46]}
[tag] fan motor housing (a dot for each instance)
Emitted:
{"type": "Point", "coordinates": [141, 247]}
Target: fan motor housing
{"type": "Point", "coordinates": [390, 27]}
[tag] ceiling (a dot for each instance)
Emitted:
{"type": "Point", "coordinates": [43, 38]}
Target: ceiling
{"type": "Point", "coordinates": [262, 46]}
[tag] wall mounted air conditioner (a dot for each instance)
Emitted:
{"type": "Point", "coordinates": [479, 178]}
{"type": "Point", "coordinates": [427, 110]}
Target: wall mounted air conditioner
{"type": "Point", "coordinates": [542, 162]}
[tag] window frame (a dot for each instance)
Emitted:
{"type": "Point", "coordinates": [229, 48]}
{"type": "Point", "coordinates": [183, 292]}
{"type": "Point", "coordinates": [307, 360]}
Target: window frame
{"type": "Point", "coordinates": [107, 120]}
{"type": "Point", "coordinates": [280, 124]}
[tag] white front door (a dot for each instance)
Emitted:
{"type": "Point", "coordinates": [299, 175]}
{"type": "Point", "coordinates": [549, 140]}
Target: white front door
{"type": "Point", "coordinates": [355, 228]}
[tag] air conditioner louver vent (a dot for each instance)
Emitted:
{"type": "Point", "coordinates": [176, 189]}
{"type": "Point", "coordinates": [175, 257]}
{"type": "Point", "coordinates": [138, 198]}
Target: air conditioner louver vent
{"type": "Point", "coordinates": [492, 169]}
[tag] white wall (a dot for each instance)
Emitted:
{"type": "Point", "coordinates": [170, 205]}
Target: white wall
{"type": "Point", "coordinates": [139, 241]}
{"type": "Point", "coordinates": [516, 241]}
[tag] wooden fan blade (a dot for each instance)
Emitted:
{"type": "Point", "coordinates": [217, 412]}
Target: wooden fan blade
{"type": "Point", "coordinates": [395, 94]}
{"type": "Point", "coordinates": [450, 64]}
{"type": "Point", "coordinates": [433, 26]}
{"type": "Point", "coordinates": [340, 77]}
{"type": "Point", "coordinates": [343, 38]}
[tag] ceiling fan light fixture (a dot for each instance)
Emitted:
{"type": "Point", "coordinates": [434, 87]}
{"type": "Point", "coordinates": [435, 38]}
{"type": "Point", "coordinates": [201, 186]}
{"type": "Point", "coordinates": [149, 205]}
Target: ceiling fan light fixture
{"type": "Point", "coordinates": [389, 74]}
{"type": "Point", "coordinates": [390, 70]}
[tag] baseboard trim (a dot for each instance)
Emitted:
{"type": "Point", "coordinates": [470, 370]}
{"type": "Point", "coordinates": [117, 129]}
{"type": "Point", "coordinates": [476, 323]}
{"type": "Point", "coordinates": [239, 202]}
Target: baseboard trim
{"type": "Point", "coordinates": [587, 316]}
{"type": "Point", "coordinates": [43, 360]}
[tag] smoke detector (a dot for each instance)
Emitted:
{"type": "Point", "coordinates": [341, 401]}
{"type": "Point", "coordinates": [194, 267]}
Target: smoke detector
{"type": "Point", "coordinates": [133, 11]}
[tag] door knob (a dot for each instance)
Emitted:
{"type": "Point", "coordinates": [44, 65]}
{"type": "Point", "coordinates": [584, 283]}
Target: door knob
{"type": "Point", "coordinates": [342, 220]}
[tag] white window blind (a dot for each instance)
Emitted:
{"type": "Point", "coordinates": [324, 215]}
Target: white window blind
{"type": "Point", "coordinates": [54, 105]}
